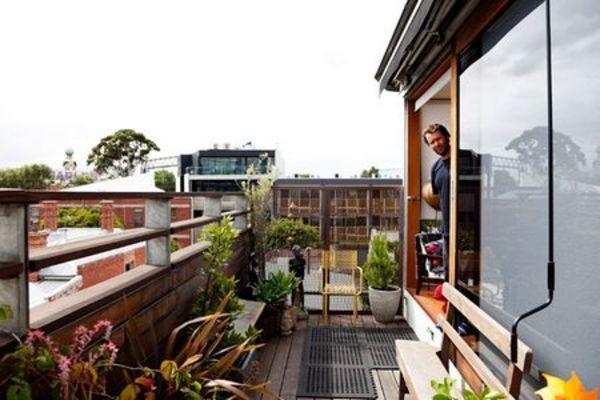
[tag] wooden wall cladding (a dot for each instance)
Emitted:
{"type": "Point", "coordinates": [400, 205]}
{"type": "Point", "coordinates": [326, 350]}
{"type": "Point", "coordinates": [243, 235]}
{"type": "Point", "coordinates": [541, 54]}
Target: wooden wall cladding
{"type": "Point", "coordinates": [144, 304]}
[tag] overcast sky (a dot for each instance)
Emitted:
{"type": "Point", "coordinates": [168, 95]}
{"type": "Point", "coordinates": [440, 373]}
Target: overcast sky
{"type": "Point", "coordinates": [297, 75]}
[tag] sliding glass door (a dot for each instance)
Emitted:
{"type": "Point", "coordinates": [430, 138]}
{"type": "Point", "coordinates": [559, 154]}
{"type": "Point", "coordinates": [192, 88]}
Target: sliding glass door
{"type": "Point", "coordinates": [503, 229]}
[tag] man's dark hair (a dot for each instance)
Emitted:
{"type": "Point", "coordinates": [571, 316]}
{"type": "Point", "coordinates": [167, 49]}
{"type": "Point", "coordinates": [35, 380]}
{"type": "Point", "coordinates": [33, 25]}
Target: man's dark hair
{"type": "Point", "coordinates": [433, 128]}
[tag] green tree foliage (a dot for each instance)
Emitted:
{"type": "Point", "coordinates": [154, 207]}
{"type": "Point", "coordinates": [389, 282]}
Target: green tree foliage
{"type": "Point", "coordinates": [118, 222]}
{"type": "Point", "coordinates": [174, 245]}
{"type": "Point", "coordinates": [283, 233]}
{"type": "Point", "coordinates": [118, 154]}
{"type": "Point", "coordinates": [370, 173]}
{"type": "Point", "coordinates": [80, 180]}
{"type": "Point", "coordinates": [221, 237]}
{"type": "Point", "coordinates": [257, 189]}
{"type": "Point", "coordinates": [164, 180]}
{"type": "Point", "coordinates": [79, 218]}
{"type": "Point", "coordinates": [28, 177]}
{"type": "Point", "coordinates": [380, 268]}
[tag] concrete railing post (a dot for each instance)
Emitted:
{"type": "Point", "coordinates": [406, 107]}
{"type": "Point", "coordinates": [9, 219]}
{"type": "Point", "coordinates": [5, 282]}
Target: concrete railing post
{"type": "Point", "coordinates": [14, 301]}
{"type": "Point", "coordinates": [212, 208]}
{"type": "Point", "coordinates": [241, 221]}
{"type": "Point", "coordinates": [158, 216]}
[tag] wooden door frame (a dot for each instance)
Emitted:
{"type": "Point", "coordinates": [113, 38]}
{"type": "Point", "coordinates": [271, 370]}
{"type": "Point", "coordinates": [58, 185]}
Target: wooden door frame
{"type": "Point", "coordinates": [413, 184]}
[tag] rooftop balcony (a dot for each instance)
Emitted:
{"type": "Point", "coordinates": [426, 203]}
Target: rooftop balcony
{"type": "Point", "coordinates": [336, 355]}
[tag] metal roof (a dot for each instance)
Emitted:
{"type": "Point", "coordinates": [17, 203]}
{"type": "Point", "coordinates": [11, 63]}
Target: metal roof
{"type": "Point", "coordinates": [421, 41]}
{"type": "Point", "coordinates": [336, 182]}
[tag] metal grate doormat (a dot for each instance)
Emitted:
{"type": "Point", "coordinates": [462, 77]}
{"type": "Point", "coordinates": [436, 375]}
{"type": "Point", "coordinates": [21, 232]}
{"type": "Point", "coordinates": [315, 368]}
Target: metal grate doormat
{"type": "Point", "coordinates": [337, 361]}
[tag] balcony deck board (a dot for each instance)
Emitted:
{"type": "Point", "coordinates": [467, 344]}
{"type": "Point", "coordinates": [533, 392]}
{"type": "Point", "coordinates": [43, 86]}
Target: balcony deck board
{"type": "Point", "coordinates": [280, 359]}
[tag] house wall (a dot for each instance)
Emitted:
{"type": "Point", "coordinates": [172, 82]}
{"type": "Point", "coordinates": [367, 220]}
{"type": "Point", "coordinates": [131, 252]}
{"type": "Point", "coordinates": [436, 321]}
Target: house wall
{"type": "Point", "coordinates": [101, 270]}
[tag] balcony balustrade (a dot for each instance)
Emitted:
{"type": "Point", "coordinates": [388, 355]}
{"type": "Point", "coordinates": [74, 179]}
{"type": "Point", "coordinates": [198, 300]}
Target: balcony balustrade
{"type": "Point", "coordinates": [144, 303]}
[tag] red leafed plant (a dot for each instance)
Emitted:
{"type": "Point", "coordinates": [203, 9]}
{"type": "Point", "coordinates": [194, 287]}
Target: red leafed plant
{"type": "Point", "coordinates": [40, 368]}
{"type": "Point", "coordinates": [199, 367]}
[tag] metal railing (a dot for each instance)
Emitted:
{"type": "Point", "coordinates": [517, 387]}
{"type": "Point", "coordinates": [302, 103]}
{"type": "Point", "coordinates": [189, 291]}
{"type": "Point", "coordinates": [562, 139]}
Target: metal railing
{"type": "Point", "coordinates": [223, 170]}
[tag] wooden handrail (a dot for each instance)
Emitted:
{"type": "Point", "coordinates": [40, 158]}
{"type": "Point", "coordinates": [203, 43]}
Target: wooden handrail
{"type": "Point", "coordinates": [192, 223]}
{"type": "Point", "coordinates": [204, 220]}
{"type": "Point", "coordinates": [45, 257]}
{"type": "Point", "coordinates": [36, 196]}
{"type": "Point", "coordinates": [10, 269]}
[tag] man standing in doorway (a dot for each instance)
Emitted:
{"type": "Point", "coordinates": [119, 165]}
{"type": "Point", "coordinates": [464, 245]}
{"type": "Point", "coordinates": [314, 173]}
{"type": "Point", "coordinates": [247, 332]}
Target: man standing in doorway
{"type": "Point", "coordinates": [437, 137]}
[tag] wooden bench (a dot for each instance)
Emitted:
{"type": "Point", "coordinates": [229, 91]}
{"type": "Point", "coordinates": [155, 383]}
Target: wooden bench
{"type": "Point", "coordinates": [251, 314]}
{"type": "Point", "coordinates": [421, 362]}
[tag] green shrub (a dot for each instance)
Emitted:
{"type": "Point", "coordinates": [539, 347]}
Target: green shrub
{"type": "Point", "coordinates": [118, 222]}
{"type": "Point", "coordinates": [283, 233]}
{"type": "Point", "coordinates": [209, 299]}
{"type": "Point", "coordinates": [164, 180]}
{"type": "Point", "coordinates": [79, 217]}
{"type": "Point", "coordinates": [380, 268]}
{"type": "Point", "coordinates": [33, 176]}
{"type": "Point", "coordinates": [174, 245]}
{"type": "Point", "coordinates": [80, 180]}
{"type": "Point", "coordinates": [221, 237]}
{"type": "Point", "coordinates": [277, 287]}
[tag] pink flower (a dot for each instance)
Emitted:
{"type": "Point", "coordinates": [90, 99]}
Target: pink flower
{"type": "Point", "coordinates": [103, 326]}
{"type": "Point", "coordinates": [81, 339]}
{"type": "Point", "coordinates": [109, 350]}
{"type": "Point", "coordinates": [39, 339]}
{"type": "Point", "coordinates": [64, 373]}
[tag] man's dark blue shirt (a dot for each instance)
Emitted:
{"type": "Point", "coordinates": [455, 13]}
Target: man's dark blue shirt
{"type": "Point", "coordinates": [440, 181]}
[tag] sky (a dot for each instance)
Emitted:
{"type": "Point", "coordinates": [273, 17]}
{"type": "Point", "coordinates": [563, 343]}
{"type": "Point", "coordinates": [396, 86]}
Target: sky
{"type": "Point", "coordinates": [293, 75]}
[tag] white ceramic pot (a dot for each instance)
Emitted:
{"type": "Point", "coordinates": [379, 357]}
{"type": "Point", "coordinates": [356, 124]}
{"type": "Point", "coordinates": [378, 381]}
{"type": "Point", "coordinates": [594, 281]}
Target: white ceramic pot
{"type": "Point", "coordinates": [384, 303]}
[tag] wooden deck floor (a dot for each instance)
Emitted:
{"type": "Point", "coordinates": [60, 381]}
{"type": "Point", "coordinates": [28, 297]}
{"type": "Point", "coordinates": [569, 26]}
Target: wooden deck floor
{"type": "Point", "coordinates": [280, 359]}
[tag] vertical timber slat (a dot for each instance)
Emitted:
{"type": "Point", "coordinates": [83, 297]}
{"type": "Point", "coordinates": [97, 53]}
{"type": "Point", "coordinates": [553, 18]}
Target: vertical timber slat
{"type": "Point", "coordinates": [454, 141]}
{"type": "Point", "coordinates": [412, 186]}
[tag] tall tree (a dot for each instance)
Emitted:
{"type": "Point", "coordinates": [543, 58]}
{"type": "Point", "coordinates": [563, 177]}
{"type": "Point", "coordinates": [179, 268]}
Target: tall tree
{"type": "Point", "coordinates": [164, 180]}
{"type": "Point", "coordinates": [34, 176]}
{"type": "Point", "coordinates": [372, 172]}
{"type": "Point", "coordinates": [80, 180]}
{"type": "Point", "coordinates": [120, 153]}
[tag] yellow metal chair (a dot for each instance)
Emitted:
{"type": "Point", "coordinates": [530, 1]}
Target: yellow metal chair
{"type": "Point", "coordinates": [341, 261]}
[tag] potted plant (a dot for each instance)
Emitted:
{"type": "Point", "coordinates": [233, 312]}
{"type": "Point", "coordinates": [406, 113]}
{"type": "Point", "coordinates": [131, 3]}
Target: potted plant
{"type": "Point", "coordinates": [379, 272]}
{"type": "Point", "coordinates": [274, 292]}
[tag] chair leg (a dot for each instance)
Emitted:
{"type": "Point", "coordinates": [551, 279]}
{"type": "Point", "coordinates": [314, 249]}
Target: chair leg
{"type": "Point", "coordinates": [326, 301]}
{"type": "Point", "coordinates": [355, 308]}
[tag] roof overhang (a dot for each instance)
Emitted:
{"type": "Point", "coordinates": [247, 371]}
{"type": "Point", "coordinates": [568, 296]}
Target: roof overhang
{"type": "Point", "coordinates": [421, 41]}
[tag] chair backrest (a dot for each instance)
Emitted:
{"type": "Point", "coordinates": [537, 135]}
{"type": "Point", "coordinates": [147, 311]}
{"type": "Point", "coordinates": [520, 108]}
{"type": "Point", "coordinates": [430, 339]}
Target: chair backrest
{"type": "Point", "coordinates": [456, 349]}
{"type": "Point", "coordinates": [344, 260]}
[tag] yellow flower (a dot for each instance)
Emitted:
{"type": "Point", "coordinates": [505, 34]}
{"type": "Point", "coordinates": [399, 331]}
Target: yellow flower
{"type": "Point", "coordinates": [573, 389]}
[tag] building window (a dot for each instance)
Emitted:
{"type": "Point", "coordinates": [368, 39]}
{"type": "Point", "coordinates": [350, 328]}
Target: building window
{"type": "Point", "coordinates": [138, 218]}
{"type": "Point", "coordinates": [173, 214]}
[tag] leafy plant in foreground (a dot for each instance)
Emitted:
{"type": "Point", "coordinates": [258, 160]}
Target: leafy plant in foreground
{"type": "Point", "coordinates": [277, 287]}
{"type": "Point", "coordinates": [444, 391]}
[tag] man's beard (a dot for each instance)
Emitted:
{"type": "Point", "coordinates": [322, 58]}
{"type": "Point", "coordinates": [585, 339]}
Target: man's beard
{"type": "Point", "coordinates": [444, 152]}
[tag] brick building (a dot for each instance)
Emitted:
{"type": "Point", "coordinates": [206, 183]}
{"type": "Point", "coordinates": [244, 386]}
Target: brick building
{"type": "Point", "coordinates": [345, 210]}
